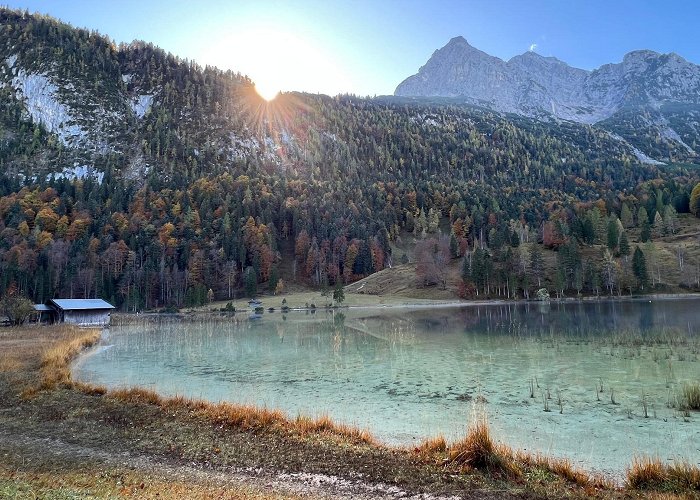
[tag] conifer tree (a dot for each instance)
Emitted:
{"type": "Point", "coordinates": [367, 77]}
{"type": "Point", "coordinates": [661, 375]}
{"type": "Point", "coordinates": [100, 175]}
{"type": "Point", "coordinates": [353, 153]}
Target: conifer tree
{"type": "Point", "coordinates": [639, 268]}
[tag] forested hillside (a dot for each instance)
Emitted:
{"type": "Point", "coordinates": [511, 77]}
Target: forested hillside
{"type": "Point", "coordinates": [133, 175]}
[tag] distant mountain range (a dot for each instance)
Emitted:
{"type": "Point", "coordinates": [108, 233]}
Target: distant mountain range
{"type": "Point", "coordinates": [648, 99]}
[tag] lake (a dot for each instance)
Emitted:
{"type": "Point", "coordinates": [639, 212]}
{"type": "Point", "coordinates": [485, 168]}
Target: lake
{"type": "Point", "coordinates": [594, 381]}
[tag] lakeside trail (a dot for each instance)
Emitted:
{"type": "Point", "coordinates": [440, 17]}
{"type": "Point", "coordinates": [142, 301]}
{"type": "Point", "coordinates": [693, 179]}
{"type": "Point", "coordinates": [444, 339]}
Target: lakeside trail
{"type": "Point", "coordinates": [68, 440]}
{"type": "Point", "coordinates": [29, 454]}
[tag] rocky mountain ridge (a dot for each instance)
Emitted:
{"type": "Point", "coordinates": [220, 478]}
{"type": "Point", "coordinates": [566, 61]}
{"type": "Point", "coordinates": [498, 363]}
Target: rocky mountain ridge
{"type": "Point", "coordinates": [663, 89]}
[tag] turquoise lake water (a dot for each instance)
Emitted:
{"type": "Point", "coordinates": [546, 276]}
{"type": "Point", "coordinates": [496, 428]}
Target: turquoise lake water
{"type": "Point", "coordinates": [407, 374]}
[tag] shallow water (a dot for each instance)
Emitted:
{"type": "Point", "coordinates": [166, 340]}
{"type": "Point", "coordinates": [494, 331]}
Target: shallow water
{"type": "Point", "coordinates": [411, 373]}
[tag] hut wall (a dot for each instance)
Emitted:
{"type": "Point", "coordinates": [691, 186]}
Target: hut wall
{"type": "Point", "coordinates": [98, 317]}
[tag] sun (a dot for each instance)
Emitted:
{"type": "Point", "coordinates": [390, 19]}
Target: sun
{"type": "Point", "coordinates": [279, 60]}
{"type": "Point", "coordinates": [267, 91]}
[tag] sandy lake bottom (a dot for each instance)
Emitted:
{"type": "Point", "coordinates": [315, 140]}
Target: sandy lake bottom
{"type": "Point", "coordinates": [609, 373]}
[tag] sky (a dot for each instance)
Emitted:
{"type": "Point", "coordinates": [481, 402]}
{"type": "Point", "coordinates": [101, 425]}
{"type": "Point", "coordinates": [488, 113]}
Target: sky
{"type": "Point", "coordinates": [367, 47]}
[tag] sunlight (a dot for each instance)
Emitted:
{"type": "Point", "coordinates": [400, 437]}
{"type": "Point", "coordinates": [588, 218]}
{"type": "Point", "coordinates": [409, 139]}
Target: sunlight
{"type": "Point", "coordinates": [278, 60]}
{"type": "Point", "coordinates": [266, 90]}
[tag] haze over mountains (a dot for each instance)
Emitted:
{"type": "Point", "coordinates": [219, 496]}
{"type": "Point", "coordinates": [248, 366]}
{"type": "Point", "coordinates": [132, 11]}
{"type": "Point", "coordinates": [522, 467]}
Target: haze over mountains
{"type": "Point", "coordinates": [646, 97]}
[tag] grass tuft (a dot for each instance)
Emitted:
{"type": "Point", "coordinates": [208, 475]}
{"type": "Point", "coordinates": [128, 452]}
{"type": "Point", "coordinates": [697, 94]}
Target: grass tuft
{"type": "Point", "coordinates": [477, 450]}
{"type": "Point", "coordinates": [651, 474]}
{"type": "Point", "coordinates": [690, 396]}
{"type": "Point", "coordinates": [646, 473]}
{"type": "Point", "coordinates": [436, 444]}
{"type": "Point", "coordinates": [685, 476]}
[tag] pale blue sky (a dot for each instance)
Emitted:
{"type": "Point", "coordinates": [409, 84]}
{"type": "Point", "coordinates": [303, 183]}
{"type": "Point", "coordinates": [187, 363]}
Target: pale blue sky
{"type": "Point", "coordinates": [367, 47]}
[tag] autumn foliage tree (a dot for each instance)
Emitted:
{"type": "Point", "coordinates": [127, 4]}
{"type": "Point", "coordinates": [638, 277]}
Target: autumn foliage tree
{"type": "Point", "coordinates": [432, 257]}
{"type": "Point", "coordinates": [16, 307]}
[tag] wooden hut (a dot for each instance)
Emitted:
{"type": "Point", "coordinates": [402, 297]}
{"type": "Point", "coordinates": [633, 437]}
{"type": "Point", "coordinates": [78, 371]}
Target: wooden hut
{"type": "Point", "coordinates": [42, 313]}
{"type": "Point", "coordinates": [83, 312]}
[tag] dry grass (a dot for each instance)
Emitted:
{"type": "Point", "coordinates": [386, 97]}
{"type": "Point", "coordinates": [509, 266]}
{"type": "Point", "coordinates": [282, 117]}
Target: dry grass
{"type": "Point", "coordinates": [436, 444]}
{"type": "Point", "coordinates": [651, 474]}
{"type": "Point", "coordinates": [646, 473]}
{"type": "Point", "coordinates": [120, 483]}
{"type": "Point", "coordinates": [246, 416]}
{"type": "Point", "coordinates": [476, 449]}
{"type": "Point", "coordinates": [564, 469]}
{"type": "Point", "coordinates": [55, 363]}
{"type": "Point", "coordinates": [479, 451]}
{"type": "Point", "coordinates": [9, 365]}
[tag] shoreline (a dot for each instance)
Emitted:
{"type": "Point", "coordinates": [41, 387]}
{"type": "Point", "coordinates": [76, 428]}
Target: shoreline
{"type": "Point", "coordinates": [116, 426]}
{"type": "Point", "coordinates": [399, 302]}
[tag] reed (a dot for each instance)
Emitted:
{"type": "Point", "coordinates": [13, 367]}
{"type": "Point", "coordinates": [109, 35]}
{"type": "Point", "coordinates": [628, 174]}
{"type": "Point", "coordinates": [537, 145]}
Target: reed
{"type": "Point", "coordinates": [560, 402]}
{"type": "Point", "coordinates": [545, 400]}
{"type": "Point", "coordinates": [645, 405]}
{"type": "Point", "coordinates": [690, 396]}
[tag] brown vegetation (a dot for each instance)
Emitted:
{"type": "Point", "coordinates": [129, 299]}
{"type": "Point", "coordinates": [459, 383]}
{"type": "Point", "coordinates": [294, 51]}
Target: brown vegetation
{"type": "Point", "coordinates": [478, 450]}
{"type": "Point", "coordinates": [55, 364]}
{"type": "Point", "coordinates": [246, 417]}
{"type": "Point", "coordinates": [651, 474]}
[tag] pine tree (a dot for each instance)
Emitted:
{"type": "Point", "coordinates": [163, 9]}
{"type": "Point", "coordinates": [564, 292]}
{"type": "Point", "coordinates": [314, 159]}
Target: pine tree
{"type": "Point", "coordinates": [624, 245]}
{"type": "Point", "coordinates": [645, 233]}
{"type": "Point", "coordinates": [670, 219]}
{"type": "Point", "coordinates": [613, 234]}
{"type": "Point", "coordinates": [639, 268]}
{"type": "Point", "coordinates": [658, 224]}
{"type": "Point", "coordinates": [433, 220]}
{"type": "Point", "coordinates": [421, 224]}
{"type": "Point", "coordinates": [642, 216]}
{"type": "Point", "coordinates": [338, 293]}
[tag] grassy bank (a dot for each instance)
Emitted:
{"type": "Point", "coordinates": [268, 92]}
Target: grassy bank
{"type": "Point", "coordinates": [181, 445]}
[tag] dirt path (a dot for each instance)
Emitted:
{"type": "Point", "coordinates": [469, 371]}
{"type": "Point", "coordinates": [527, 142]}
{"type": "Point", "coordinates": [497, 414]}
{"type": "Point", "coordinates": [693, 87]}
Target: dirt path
{"type": "Point", "coordinates": [35, 453]}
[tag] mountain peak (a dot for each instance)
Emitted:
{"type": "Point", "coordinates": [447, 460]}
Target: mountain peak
{"type": "Point", "coordinates": [533, 85]}
{"type": "Point", "coordinates": [457, 40]}
{"type": "Point", "coordinates": [642, 54]}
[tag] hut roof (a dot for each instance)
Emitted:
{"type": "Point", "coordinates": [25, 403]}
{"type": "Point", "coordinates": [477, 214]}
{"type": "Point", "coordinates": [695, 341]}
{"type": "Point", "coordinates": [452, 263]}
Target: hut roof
{"type": "Point", "coordinates": [81, 304]}
{"type": "Point", "coordinates": [42, 308]}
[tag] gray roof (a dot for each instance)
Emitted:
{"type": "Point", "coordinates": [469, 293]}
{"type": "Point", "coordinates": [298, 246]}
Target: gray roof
{"type": "Point", "coordinates": [42, 307]}
{"type": "Point", "coordinates": [81, 304]}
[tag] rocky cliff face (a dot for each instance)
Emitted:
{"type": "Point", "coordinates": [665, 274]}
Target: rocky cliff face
{"type": "Point", "coordinates": [664, 88]}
